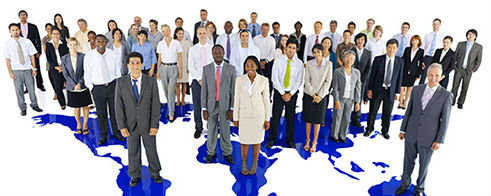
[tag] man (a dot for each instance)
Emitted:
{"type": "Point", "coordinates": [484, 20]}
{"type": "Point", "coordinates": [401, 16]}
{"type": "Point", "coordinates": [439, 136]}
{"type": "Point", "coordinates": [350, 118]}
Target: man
{"type": "Point", "coordinates": [30, 31]}
{"type": "Point", "coordinates": [384, 85]}
{"type": "Point", "coordinates": [431, 42]}
{"type": "Point", "coordinates": [253, 26]}
{"type": "Point", "coordinates": [313, 39]}
{"type": "Point", "coordinates": [227, 39]}
{"type": "Point", "coordinates": [137, 20]}
{"type": "Point", "coordinates": [266, 45]}
{"type": "Point", "coordinates": [351, 29]}
{"type": "Point", "coordinates": [199, 56]}
{"type": "Point", "coordinates": [344, 46]}
{"type": "Point", "coordinates": [19, 54]}
{"type": "Point", "coordinates": [446, 57]}
{"type": "Point", "coordinates": [363, 64]}
{"type": "Point", "coordinates": [82, 34]}
{"type": "Point", "coordinates": [147, 50]}
{"type": "Point", "coordinates": [301, 39]}
{"type": "Point", "coordinates": [369, 30]}
{"type": "Point", "coordinates": [101, 68]}
{"type": "Point", "coordinates": [276, 33]}
{"type": "Point", "coordinates": [287, 78]}
{"type": "Point", "coordinates": [217, 96]}
{"type": "Point", "coordinates": [179, 24]}
{"type": "Point", "coordinates": [137, 105]}
{"type": "Point", "coordinates": [336, 38]}
{"type": "Point", "coordinates": [203, 14]}
{"type": "Point", "coordinates": [424, 127]}
{"type": "Point", "coordinates": [468, 57]}
{"type": "Point", "coordinates": [403, 38]}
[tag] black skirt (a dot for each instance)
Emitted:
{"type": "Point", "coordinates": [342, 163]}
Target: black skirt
{"type": "Point", "coordinates": [79, 99]}
{"type": "Point", "coordinates": [408, 79]}
{"type": "Point", "coordinates": [314, 112]}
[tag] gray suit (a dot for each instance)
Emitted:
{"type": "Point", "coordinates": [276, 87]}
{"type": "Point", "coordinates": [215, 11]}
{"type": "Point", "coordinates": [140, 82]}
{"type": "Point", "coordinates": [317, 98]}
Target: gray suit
{"type": "Point", "coordinates": [124, 53]}
{"type": "Point", "coordinates": [218, 109]}
{"type": "Point", "coordinates": [422, 127]}
{"type": "Point", "coordinates": [341, 117]}
{"type": "Point", "coordinates": [138, 118]}
{"type": "Point", "coordinates": [464, 75]}
{"type": "Point", "coordinates": [71, 78]}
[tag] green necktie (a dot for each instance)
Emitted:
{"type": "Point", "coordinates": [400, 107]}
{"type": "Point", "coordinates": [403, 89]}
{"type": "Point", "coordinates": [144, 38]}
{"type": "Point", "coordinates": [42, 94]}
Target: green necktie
{"type": "Point", "coordinates": [286, 82]}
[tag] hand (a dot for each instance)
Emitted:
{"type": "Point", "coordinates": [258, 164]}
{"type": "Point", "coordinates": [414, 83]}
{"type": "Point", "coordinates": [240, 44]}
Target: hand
{"type": "Point", "coordinates": [125, 132]}
{"type": "Point", "coordinates": [435, 146]}
{"type": "Point", "coordinates": [206, 115]}
{"type": "Point", "coordinates": [424, 66]}
{"type": "Point", "coordinates": [59, 69]}
{"type": "Point", "coordinates": [180, 74]}
{"type": "Point", "coordinates": [76, 87]}
{"type": "Point", "coordinates": [12, 76]}
{"type": "Point", "coordinates": [286, 97]}
{"type": "Point", "coordinates": [401, 136]}
{"type": "Point", "coordinates": [337, 106]}
{"type": "Point", "coordinates": [396, 97]}
{"type": "Point", "coordinates": [230, 115]}
{"type": "Point", "coordinates": [369, 94]}
{"type": "Point", "coordinates": [34, 73]}
{"type": "Point", "coordinates": [266, 125]}
{"type": "Point", "coordinates": [150, 73]}
{"type": "Point", "coordinates": [187, 70]}
{"type": "Point", "coordinates": [200, 82]}
{"type": "Point", "coordinates": [262, 64]}
{"type": "Point", "coordinates": [236, 123]}
{"type": "Point", "coordinates": [38, 55]}
{"type": "Point", "coordinates": [153, 131]}
{"type": "Point", "coordinates": [157, 75]}
{"type": "Point", "coordinates": [365, 102]}
{"type": "Point", "coordinates": [357, 106]}
{"type": "Point", "coordinates": [416, 78]}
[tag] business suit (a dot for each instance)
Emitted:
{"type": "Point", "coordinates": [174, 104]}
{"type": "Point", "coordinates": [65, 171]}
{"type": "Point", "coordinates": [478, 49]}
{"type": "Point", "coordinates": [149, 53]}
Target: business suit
{"type": "Point", "coordinates": [124, 53]}
{"type": "Point", "coordinates": [73, 77]}
{"type": "Point", "coordinates": [301, 46]}
{"type": "Point", "coordinates": [463, 75]}
{"type": "Point", "coordinates": [218, 109]}
{"type": "Point", "coordinates": [448, 64]}
{"type": "Point", "coordinates": [57, 77]}
{"type": "Point", "coordinates": [412, 67]}
{"type": "Point", "coordinates": [33, 35]}
{"type": "Point", "coordinates": [421, 127]}
{"type": "Point", "coordinates": [196, 26]}
{"type": "Point", "coordinates": [364, 66]}
{"type": "Point", "coordinates": [340, 118]}
{"type": "Point", "coordinates": [276, 39]}
{"type": "Point", "coordinates": [138, 116]}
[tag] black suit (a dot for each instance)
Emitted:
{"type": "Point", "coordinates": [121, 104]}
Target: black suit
{"type": "Point", "coordinates": [301, 46]}
{"type": "Point", "coordinates": [57, 77]}
{"type": "Point", "coordinates": [448, 63]}
{"type": "Point", "coordinates": [277, 40]}
{"type": "Point", "coordinates": [33, 35]}
{"type": "Point", "coordinates": [364, 67]}
{"type": "Point", "coordinates": [412, 68]}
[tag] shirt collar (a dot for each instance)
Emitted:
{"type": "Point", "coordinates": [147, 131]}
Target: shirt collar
{"type": "Point", "coordinates": [216, 65]}
{"type": "Point", "coordinates": [432, 89]}
{"type": "Point", "coordinates": [387, 56]}
{"type": "Point", "coordinates": [138, 79]}
{"type": "Point", "coordinates": [59, 41]}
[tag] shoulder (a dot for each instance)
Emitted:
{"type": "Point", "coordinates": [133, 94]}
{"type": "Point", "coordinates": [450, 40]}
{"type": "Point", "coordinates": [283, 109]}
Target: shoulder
{"type": "Point", "coordinates": [259, 78]}
{"type": "Point", "coordinates": [356, 71]}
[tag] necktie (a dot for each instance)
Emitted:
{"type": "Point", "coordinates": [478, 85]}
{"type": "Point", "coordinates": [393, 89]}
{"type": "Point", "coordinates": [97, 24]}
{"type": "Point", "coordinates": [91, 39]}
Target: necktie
{"type": "Point", "coordinates": [203, 56]}
{"type": "Point", "coordinates": [135, 90]}
{"type": "Point", "coordinates": [433, 45]}
{"type": "Point", "coordinates": [217, 83]}
{"type": "Point", "coordinates": [21, 54]}
{"type": "Point", "coordinates": [426, 97]}
{"type": "Point", "coordinates": [228, 47]}
{"type": "Point", "coordinates": [359, 55]}
{"type": "Point", "coordinates": [388, 73]}
{"type": "Point", "coordinates": [401, 47]}
{"type": "Point", "coordinates": [467, 48]}
{"type": "Point", "coordinates": [286, 81]}
{"type": "Point", "coordinates": [253, 30]}
{"type": "Point", "coordinates": [316, 39]}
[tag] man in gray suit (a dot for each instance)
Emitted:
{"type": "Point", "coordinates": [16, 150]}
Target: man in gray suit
{"type": "Point", "coordinates": [468, 56]}
{"type": "Point", "coordinates": [424, 127]}
{"type": "Point", "coordinates": [138, 112]}
{"type": "Point", "coordinates": [217, 99]}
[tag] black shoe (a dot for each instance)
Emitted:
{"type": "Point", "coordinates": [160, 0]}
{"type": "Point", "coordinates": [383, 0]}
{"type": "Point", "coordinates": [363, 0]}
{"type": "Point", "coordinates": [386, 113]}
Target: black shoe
{"type": "Point", "coordinates": [25, 91]}
{"type": "Point", "coordinates": [157, 179]}
{"type": "Point", "coordinates": [291, 144]}
{"type": "Point", "coordinates": [401, 190]}
{"type": "Point", "coordinates": [197, 134]}
{"type": "Point", "coordinates": [343, 140]}
{"type": "Point", "coordinates": [460, 106]}
{"type": "Point", "coordinates": [134, 181]}
{"type": "Point", "coordinates": [367, 133]}
{"type": "Point", "coordinates": [386, 135]}
{"type": "Point", "coordinates": [42, 89]}
{"type": "Point", "coordinates": [23, 112]}
{"type": "Point", "coordinates": [418, 193]}
{"type": "Point", "coordinates": [229, 159]}
{"type": "Point", "coordinates": [37, 109]}
{"type": "Point", "coordinates": [269, 144]}
{"type": "Point", "coordinates": [102, 141]}
{"type": "Point", "coordinates": [119, 137]}
{"type": "Point", "coordinates": [162, 105]}
{"type": "Point", "coordinates": [335, 139]}
{"type": "Point", "coordinates": [171, 121]}
{"type": "Point", "coordinates": [356, 124]}
{"type": "Point", "coordinates": [210, 158]}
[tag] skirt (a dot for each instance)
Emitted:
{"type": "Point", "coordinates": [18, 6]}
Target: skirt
{"type": "Point", "coordinates": [79, 99]}
{"type": "Point", "coordinates": [314, 112]}
{"type": "Point", "coordinates": [408, 80]}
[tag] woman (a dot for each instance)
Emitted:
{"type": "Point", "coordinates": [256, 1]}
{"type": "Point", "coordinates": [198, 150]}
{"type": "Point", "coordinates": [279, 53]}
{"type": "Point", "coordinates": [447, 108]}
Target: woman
{"type": "Point", "coordinates": [90, 45]}
{"type": "Point", "coordinates": [346, 85]}
{"type": "Point", "coordinates": [242, 25]}
{"type": "Point", "coordinates": [413, 63]}
{"type": "Point", "coordinates": [331, 56]}
{"type": "Point", "coordinates": [121, 49]}
{"type": "Point", "coordinates": [48, 27]}
{"type": "Point", "coordinates": [211, 33]}
{"type": "Point", "coordinates": [375, 44]}
{"type": "Point", "coordinates": [55, 49]}
{"type": "Point", "coordinates": [78, 95]}
{"type": "Point", "coordinates": [318, 76]}
{"type": "Point", "coordinates": [181, 87]}
{"type": "Point", "coordinates": [251, 111]}
{"type": "Point", "coordinates": [242, 50]}
{"type": "Point", "coordinates": [111, 25]}
{"type": "Point", "coordinates": [154, 36]}
{"type": "Point", "coordinates": [133, 37]}
{"type": "Point", "coordinates": [281, 50]}
{"type": "Point", "coordinates": [59, 23]}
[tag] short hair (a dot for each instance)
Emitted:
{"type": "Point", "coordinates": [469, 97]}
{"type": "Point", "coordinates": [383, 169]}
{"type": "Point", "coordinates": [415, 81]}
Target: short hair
{"type": "Point", "coordinates": [134, 55]}
{"type": "Point", "coordinates": [114, 32]}
{"type": "Point", "coordinates": [100, 35]}
{"type": "Point", "coordinates": [91, 32]}
{"type": "Point", "coordinates": [416, 37]}
{"type": "Point", "coordinates": [448, 37]}
{"type": "Point", "coordinates": [200, 27]}
{"type": "Point", "coordinates": [154, 22]}
{"type": "Point", "coordinates": [437, 19]}
{"type": "Point", "coordinates": [108, 22]}
{"type": "Point", "coordinates": [318, 47]}
{"type": "Point", "coordinates": [371, 19]}
{"type": "Point", "coordinates": [379, 28]}
{"type": "Point", "coordinates": [360, 35]}
{"type": "Point", "coordinates": [82, 20]}
{"type": "Point", "coordinates": [436, 66]}
{"type": "Point", "coordinates": [242, 31]}
{"type": "Point", "coordinates": [327, 38]}
{"type": "Point", "coordinates": [471, 31]}
{"type": "Point", "coordinates": [334, 22]}
{"type": "Point", "coordinates": [22, 11]}
{"type": "Point", "coordinates": [346, 53]}
{"type": "Point", "coordinates": [346, 31]}
{"type": "Point", "coordinates": [406, 23]}
{"type": "Point", "coordinates": [299, 23]}
{"type": "Point", "coordinates": [48, 24]}
{"type": "Point", "coordinates": [165, 25]}
{"type": "Point", "coordinates": [72, 39]}
{"type": "Point", "coordinates": [178, 18]}
{"type": "Point", "coordinates": [292, 41]}
{"type": "Point", "coordinates": [55, 29]}
{"type": "Point", "coordinates": [143, 32]}
{"type": "Point", "coordinates": [177, 31]}
{"type": "Point", "coordinates": [254, 13]}
{"type": "Point", "coordinates": [203, 10]}
{"type": "Point", "coordinates": [275, 23]}
{"type": "Point", "coordinates": [352, 23]}
{"type": "Point", "coordinates": [318, 22]}
{"type": "Point", "coordinates": [13, 25]}
{"type": "Point", "coordinates": [265, 24]}
{"type": "Point", "coordinates": [392, 41]}
{"type": "Point", "coordinates": [217, 46]}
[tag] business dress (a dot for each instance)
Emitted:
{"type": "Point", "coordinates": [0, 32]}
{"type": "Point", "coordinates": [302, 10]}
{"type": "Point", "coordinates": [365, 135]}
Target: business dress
{"type": "Point", "coordinates": [123, 51]}
{"type": "Point", "coordinates": [363, 63]}
{"type": "Point", "coordinates": [54, 59]}
{"type": "Point", "coordinates": [317, 82]}
{"type": "Point", "coordinates": [277, 39]}
{"type": "Point", "coordinates": [74, 74]}
{"type": "Point", "coordinates": [33, 35]}
{"type": "Point", "coordinates": [217, 97]}
{"type": "Point", "coordinates": [447, 60]}
{"type": "Point", "coordinates": [347, 90]}
{"type": "Point", "coordinates": [426, 121]}
{"type": "Point", "coordinates": [413, 64]}
{"type": "Point", "coordinates": [138, 110]}
{"type": "Point", "coordinates": [468, 58]}
{"type": "Point", "coordinates": [186, 45]}
{"type": "Point", "coordinates": [251, 108]}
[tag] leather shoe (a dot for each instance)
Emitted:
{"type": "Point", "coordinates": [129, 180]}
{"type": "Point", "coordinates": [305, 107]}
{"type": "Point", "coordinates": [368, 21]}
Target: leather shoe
{"type": "Point", "coordinates": [42, 89]}
{"type": "Point", "coordinates": [157, 179]}
{"type": "Point", "coordinates": [335, 139]}
{"type": "Point", "coordinates": [367, 133]}
{"type": "Point", "coordinates": [25, 91]}
{"type": "Point", "coordinates": [134, 181]}
{"type": "Point", "coordinates": [102, 141]}
{"type": "Point", "coordinates": [460, 106]}
{"type": "Point", "coordinates": [210, 158]}
{"type": "Point", "coordinates": [418, 193]}
{"type": "Point", "coordinates": [119, 137]}
{"type": "Point", "coordinates": [343, 140]}
{"type": "Point", "coordinates": [401, 190]}
{"type": "Point", "coordinates": [269, 144]}
{"type": "Point", "coordinates": [23, 112]}
{"type": "Point", "coordinates": [356, 124]}
{"type": "Point", "coordinates": [229, 159]}
{"type": "Point", "coordinates": [37, 109]}
{"type": "Point", "coordinates": [291, 144]}
{"type": "Point", "coordinates": [386, 135]}
{"type": "Point", "coordinates": [197, 134]}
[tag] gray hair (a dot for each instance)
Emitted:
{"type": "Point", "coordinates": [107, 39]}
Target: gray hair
{"type": "Point", "coordinates": [436, 66]}
{"type": "Point", "coordinates": [345, 54]}
{"type": "Point", "coordinates": [165, 25]}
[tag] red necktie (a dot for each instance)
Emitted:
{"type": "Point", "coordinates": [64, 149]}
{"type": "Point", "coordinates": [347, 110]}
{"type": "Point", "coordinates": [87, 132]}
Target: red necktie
{"type": "Point", "coordinates": [217, 80]}
{"type": "Point", "coordinates": [316, 39]}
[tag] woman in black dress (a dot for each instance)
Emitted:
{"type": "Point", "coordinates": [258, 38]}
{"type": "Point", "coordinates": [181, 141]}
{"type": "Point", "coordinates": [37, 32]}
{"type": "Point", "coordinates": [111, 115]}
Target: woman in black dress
{"type": "Point", "coordinates": [413, 62]}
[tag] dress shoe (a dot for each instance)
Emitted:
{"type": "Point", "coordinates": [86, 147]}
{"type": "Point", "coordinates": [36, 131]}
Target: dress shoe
{"type": "Point", "coordinates": [37, 109]}
{"type": "Point", "coordinates": [157, 179]}
{"type": "Point", "coordinates": [343, 140]}
{"type": "Point", "coordinates": [210, 158]}
{"type": "Point", "coordinates": [102, 141]}
{"type": "Point", "coordinates": [197, 134]}
{"type": "Point", "coordinates": [291, 144]}
{"type": "Point", "coordinates": [25, 91]}
{"type": "Point", "coordinates": [356, 124]}
{"type": "Point", "coordinates": [229, 159]}
{"type": "Point", "coordinates": [269, 144]}
{"type": "Point", "coordinates": [119, 137]}
{"type": "Point", "coordinates": [401, 190]}
{"type": "Point", "coordinates": [134, 181]}
{"type": "Point", "coordinates": [335, 139]}
{"type": "Point", "coordinates": [173, 119]}
{"type": "Point", "coordinates": [23, 112]}
{"type": "Point", "coordinates": [460, 106]}
{"type": "Point", "coordinates": [367, 133]}
{"type": "Point", "coordinates": [42, 89]}
{"type": "Point", "coordinates": [386, 135]}
{"type": "Point", "coordinates": [418, 193]}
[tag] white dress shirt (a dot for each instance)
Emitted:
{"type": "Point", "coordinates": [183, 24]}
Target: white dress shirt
{"type": "Point", "coordinates": [407, 41]}
{"type": "Point", "coordinates": [413, 53]}
{"type": "Point", "coordinates": [240, 54]}
{"type": "Point", "coordinates": [427, 42]}
{"type": "Point", "coordinates": [138, 82]}
{"type": "Point", "coordinates": [376, 47]}
{"type": "Point", "coordinates": [194, 60]}
{"type": "Point", "coordinates": [266, 47]}
{"type": "Point", "coordinates": [169, 53]}
{"type": "Point", "coordinates": [222, 40]}
{"type": "Point", "coordinates": [57, 52]}
{"type": "Point", "coordinates": [336, 39]}
{"type": "Point", "coordinates": [10, 52]}
{"type": "Point", "coordinates": [250, 85]}
{"type": "Point", "coordinates": [100, 69]}
{"type": "Point", "coordinates": [444, 52]}
{"type": "Point", "coordinates": [347, 85]}
{"type": "Point", "coordinates": [309, 44]}
{"type": "Point", "coordinates": [296, 74]}
{"type": "Point", "coordinates": [387, 59]}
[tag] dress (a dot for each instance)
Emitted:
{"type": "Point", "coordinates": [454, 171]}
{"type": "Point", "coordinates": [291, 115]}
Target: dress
{"type": "Point", "coordinates": [186, 45]}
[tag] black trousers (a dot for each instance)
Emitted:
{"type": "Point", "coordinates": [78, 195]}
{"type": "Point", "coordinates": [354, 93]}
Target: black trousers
{"type": "Point", "coordinates": [57, 81]}
{"type": "Point", "coordinates": [266, 72]}
{"type": "Point", "coordinates": [461, 76]}
{"type": "Point", "coordinates": [445, 81]}
{"type": "Point", "coordinates": [198, 120]}
{"type": "Point", "coordinates": [39, 77]}
{"type": "Point", "coordinates": [386, 111]}
{"type": "Point", "coordinates": [355, 116]}
{"type": "Point", "coordinates": [278, 105]}
{"type": "Point", "coordinates": [104, 99]}
{"type": "Point", "coordinates": [427, 60]}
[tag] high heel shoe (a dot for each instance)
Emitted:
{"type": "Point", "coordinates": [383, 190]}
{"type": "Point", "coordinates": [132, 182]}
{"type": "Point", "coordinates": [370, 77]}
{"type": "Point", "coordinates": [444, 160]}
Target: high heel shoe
{"type": "Point", "coordinates": [253, 168]}
{"type": "Point", "coordinates": [244, 168]}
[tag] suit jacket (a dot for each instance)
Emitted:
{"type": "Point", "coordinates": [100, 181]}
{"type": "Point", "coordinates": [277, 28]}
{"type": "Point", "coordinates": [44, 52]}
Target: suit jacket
{"type": "Point", "coordinates": [145, 113]}
{"type": "Point", "coordinates": [195, 36]}
{"type": "Point", "coordinates": [301, 47]}
{"type": "Point", "coordinates": [33, 35]}
{"type": "Point", "coordinates": [257, 106]}
{"type": "Point", "coordinates": [448, 61]}
{"type": "Point", "coordinates": [364, 64]}
{"type": "Point", "coordinates": [425, 126]}
{"type": "Point", "coordinates": [474, 59]}
{"type": "Point", "coordinates": [124, 53]}
{"type": "Point", "coordinates": [377, 76]}
{"type": "Point", "coordinates": [339, 84]}
{"type": "Point", "coordinates": [227, 87]}
{"type": "Point", "coordinates": [415, 66]}
{"type": "Point", "coordinates": [51, 54]}
{"type": "Point", "coordinates": [278, 42]}
{"type": "Point", "coordinates": [73, 77]}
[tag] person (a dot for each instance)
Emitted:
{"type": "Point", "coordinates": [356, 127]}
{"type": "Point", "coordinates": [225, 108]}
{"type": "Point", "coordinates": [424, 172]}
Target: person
{"type": "Point", "coordinates": [59, 23]}
{"type": "Point", "coordinates": [424, 127]}
{"type": "Point", "coordinates": [313, 39]}
{"type": "Point", "coordinates": [82, 34]}
{"type": "Point", "coordinates": [287, 77]}
{"type": "Point", "coordinates": [413, 62]}
{"type": "Point", "coordinates": [182, 84]}
{"type": "Point", "coordinates": [446, 57]}
{"type": "Point", "coordinates": [154, 36]}
{"type": "Point", "coordinates": [217, 98]}
{"type": "Point", "coordinates": [363, 64]}
{"type": "Point", "coordinates": [132, 36]}
{"type": "Point", "coordinates": [346, 90]}
{"type": "Point", "coordinates": [369, 30]}
{"type": "Point", "coordinates": [55, 49]}
{"type": "Point", "coordinates": [199, 56]}
{"type": "Point", "coordinates": [403, 38]}
{"type": "Point", "coordinates": [280, 51]}
{"type": "Point", "coordinates": [169, 68]}
{"type": "Point", "coordinates": [78, 95]}
{"type": "Point", "coordinates": [344, 46]}
{"type": "Point", "coordinates": [30, 31]}
{"type": "Point", "coordinates": [111, 25]}
{"type": "Point", "coordinates": [276, 33]}
{"type": "Point", "coordinates": [101, 69]}
{"type": "Point", "coordinates": [468, 57]}
{"type": "Point", "coordinates": [318, 77]}
{"type": "Point", "coordinates": [431, 42]}
{"type": "Point", "coordinates": [253, 26]}
{"type": "Point", "coordinates": [147, 50]}
{"type": "Point", "coordinates": [245, 48]}
{"type": "Point", "coordinates": [328, 53]}
{"type": "Point", "coordinates": [203, 14]}
{"type": "Point", "coordinates": [336, 38]}
{"type": "Point", "coordinates": [90, 44]}
{"type": "Point", "coordinates": [48, 27]}
{"type": "Point", "coordinates": [301, 38]}
{"type": "Point", "coordinates": [21, 65]}
{"type": "Point", "coordinates": [266, 45]}
{"type": "Point", "coordinates": [242, 25]}
{"type": "Point", "coordinates": [137, 103]}
{"type": "Point", "coordinates": [120, 48]}
{"type": "Point", "coordinates": [384, 85]}
{"type": "Point", "coordinates": [179, 24]}
{"type": "Point", "coordinates": [227, 40]}
{"type": "Point", "coordinates": [351, 28]}
{"type": "Point", "coordinates": [376, 43]}
{"type": "Point", "coordinates": [137, 21]}
{"type": "Point", "coordinates": [211, 31]}
{"type": "Point", "coordinates": [251, 112]}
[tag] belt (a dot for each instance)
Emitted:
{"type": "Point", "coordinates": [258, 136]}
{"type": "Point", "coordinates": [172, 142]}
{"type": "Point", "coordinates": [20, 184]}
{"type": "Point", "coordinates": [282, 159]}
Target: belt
{"type": "Point", "coordinates": [386, 88]}
{"type": "Point", "coordinates": [105, 84]}
{"type": "Point", "coordinates": [169, 64]}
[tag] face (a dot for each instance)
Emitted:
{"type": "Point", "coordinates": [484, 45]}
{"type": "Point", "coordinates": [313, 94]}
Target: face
{"type": "Point", "coordinates": [471, 37]}
{"type": "Point", "coordinates": [250, 67]}
{"type": "Point", "coordinates": [346, 36]}
{"type": "Point", "coordinates": [82, 25]}
{"type": "Point", "coordinates": [370, 24]}
{"type": "Point", "coordinates": [117, 35]}
{"type": "Point", "coordinates": [58, 20]}
{"type": "Point", "coordinates": [166, 31]}
{"type": "Point", "coordinates": [56, 35]}
{"type": "Point", "coordinates": [210, 28]}
{"type": "Point", "coordinates": [228, 27]}
{"type": "Point", "coordinates": [179, 23]}
{"type": "Point", "coordinates": [348, 60]}
{"type": "Point", "coordinates": [244, 37]}
{"type": "Point", "coordinates": [203, 15]}
{"type": "Point", "coordinates": [100, 43]}
{"type": "Point", "coordinates": [434, 76]}
{"type": "Point", "coordinates": [436, 25]}
{"type": "Point", "coordinates": [112, 25]}
{"type": "Point", "coordinates": [217, 55]}
{"type": "Point", "coordinates": [48, 29]}
{"type": "Point", "coordinates": [447, 43]}
{"type": "Point", "coordinates": [137, 20]}
{"type": "Point", "coordinates": [283, 41]}
{"type": "Point", "coordinates": [333, 27]}
{"type": "Point", "coordinates": [298, 27]}
{"type": "Point", "coordinates": [360, 42]}
{"type": "Point", "coordinates": [201, 34]}
{"type": "Point", "coordinates": [91, 37]}
{"type": "Point", "coordinates": [180, 35]}
{"type": "Point", "coordinates": [291, 49]}
{"type": "Point", "coordinates": [242, 25]}
{"type": "Point", "coordinates": [23, 16]}
{"type": "Point", "coordinates": [72, 45]}
{"type": "Point", "coordinates": [276, 29]}
{"type": "Point", "coordinates": [14, 31]}
{"type": "Point", "coordinates": [142, 38]}
{"type": "Point", "coordinates": [317, 53]}
{"type": "Point", "coordinates": [326, 44]}
{"type": "Point", "coordinates": [391, 50]}
{"type": "Point", "coordinates": [153, 26]}
{"type": "Point", "coordinates": [317, 27]}
{"type": "Point", "coordinates": [135, 66]}
{"type": "Point", "coordinates": [415, 42]}
{"type": "Point", "coordinates": [351, 28]}
{"type": "Point", "coordinates": [253, 17]}
{"type": "Point", "coordinates": [404, 28]}
{"type": "Point", "coordinates": [134, 30]}
{"type": "Point", "coordinates": [377, 33]}
{"type": "Point", "coordinates": [264, 30]}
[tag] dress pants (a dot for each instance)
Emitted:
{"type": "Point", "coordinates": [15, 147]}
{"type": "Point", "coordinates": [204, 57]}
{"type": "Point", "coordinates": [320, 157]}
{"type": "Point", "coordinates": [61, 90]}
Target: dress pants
{"type": "Point", "coordinates": [198, 119]}
{"type": "Point", "coordinates": [411, 151]}
{"type": "Point", "coordinates": [134, 152]}
{"type": "Point", "coordinates": [216, 117]}
{"type": "Point", "coordinates": [355, 116]}
{"type": "Point", "coordinates": [278, 105]}
{"type": "Point", "coordinates": [58, 81]}
{"type": "Point", "coordinates": [24, 78]}
{"type": "Point", "coordinates": [266, 72]}
{"type": "Point", "coordinates": [386, 110]}
{"type": "Point", "coordinates": [427, 60]}
{"type": "Point", "coordinates": [461, 76]}
{"type": "Point", "coordinates": [444, 81]}
{"type": "Point", "coordinates": [340, 119]}
{"type": "Point", "coordinates": [104, 97]}
{"type": "Point", "coordinates": [39, 77]}
{"type": "Point", "coordinates": [168, 76]}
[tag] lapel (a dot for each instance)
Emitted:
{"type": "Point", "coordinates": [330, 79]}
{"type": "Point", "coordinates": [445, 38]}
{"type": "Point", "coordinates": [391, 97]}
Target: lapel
{"type": "Point", "coordinates": [80, 64]}
{"type": "Point", "coordinates": [411, 60]}
{"type": "Point", "coordinates": [144, 83]}
{"type": "Point", "coordinates": [69, 65]}
{"type": "Point", "coordinates": [129, 86]}
{"type": "Point", "coordinates": [258, 82]}
{"type": "Point", "coordinates": [435, 96]}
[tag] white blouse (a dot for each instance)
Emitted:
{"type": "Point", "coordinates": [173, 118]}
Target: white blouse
{"type": "Point", "coordinates": [250, 86]}
{"type": "Point", "coordinates": [347, 86]}
{"type": "Point", "coordinates": [376, 47]}
{"type": "Point", "coordinates": [169, 53]}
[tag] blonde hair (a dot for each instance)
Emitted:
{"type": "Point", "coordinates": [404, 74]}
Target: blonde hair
{"type": "Point", "coordinates": [72, 39]}
{"type": "Point", "coordinates": [379, 28]}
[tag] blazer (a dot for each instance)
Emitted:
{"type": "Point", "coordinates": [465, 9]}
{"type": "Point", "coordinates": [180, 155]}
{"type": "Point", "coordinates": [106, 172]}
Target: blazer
{"type": "Point", "coordinates": [33, 35]}
{"type": "Point", "coordinates": [195, 36]}
{"type": "Point", "coordinates": [415, 66]}
{"type": "Point", "coordinates": [448, 61]}
{"type": "Point", "coordinates": [145, 113]}
{"type": "Point", "coordinates": [316, 81]}
{"type": "Point", "coordinates": [425, 126]}
{"type": "Point", "coordinates": [377, 76]}
{"type": "Point", "coordinates": [256, 106]}
{"type": "Point", "coordinates": [301, 46]}
{"type": "Point", "coordinates": [474, 59]}
{"type": "Point", "coordinates": [124, 53]}
{"type": "Point", "coordinates": [339, 84]}
{"type": "Point", "coordinates": [364, 65]}
{"type": "Point", "coordinates": [227, 87]}
{"type": "Point", "coordinates": [73, 78]}
{"type": "Point", "coordinates": [51, 54]}
{"type": "Point", "coordinates": [277, 42]}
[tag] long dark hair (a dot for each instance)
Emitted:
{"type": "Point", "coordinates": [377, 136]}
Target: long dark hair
{"type": "Point", "coordinates": [62, 22]}
{"type": "Point", "coordinates": [330, 48]}
{"type": "Point", "coordinates": [177, 30]}
{"type": "Point", "coordinates": [256, 61]}
{"type": "Point", "coordinates": [114, 24]}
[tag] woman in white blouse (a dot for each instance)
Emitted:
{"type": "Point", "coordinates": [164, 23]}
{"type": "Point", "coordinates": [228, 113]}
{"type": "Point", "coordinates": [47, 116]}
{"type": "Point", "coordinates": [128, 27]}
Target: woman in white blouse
{"type": "Point", "coordinates": [376, 45]}
{"type": "Point", "coordinates": [182, 83]}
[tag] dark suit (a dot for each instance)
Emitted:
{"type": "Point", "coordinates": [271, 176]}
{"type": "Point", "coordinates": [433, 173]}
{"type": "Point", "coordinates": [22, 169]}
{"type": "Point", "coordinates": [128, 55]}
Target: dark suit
{"type": "Point", "coordinates": [448, 64]}
{"type": "Point", "coordinates": [57, 77]}
{"type": "Point", "coordinates": [412, 68]}
{"type": "Point", "coordinates": [379, 93]}
{"type": "Point", "coordinates": [195, 36]}
{"type": "Point", "coordinates": [138, 117]}
{"type": "Point", "coordinates": [277, 39]}
{"type": "Point", "coordinates": [301, 46]}
{"type": "Point", "coordinates": [464, 75]}
{"type": "Point", "coordinates": [421, 128]}
{"type": "Point", "coordinates": [33, 35]}
{"type": "Point", "coordinates": [364, 67]}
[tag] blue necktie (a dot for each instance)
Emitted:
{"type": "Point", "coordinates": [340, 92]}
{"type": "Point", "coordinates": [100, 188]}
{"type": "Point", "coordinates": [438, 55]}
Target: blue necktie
{"type": "Point", "coordinates": [433, 45]}
{"type": "Point", "coordinates": [135, 90]}
{"type": "Point", "coordinates": [253, 30]}
{"type": "Point", "coordinates": [359, 56]}
{"type": "Point", "coordinates": [401, 47]}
